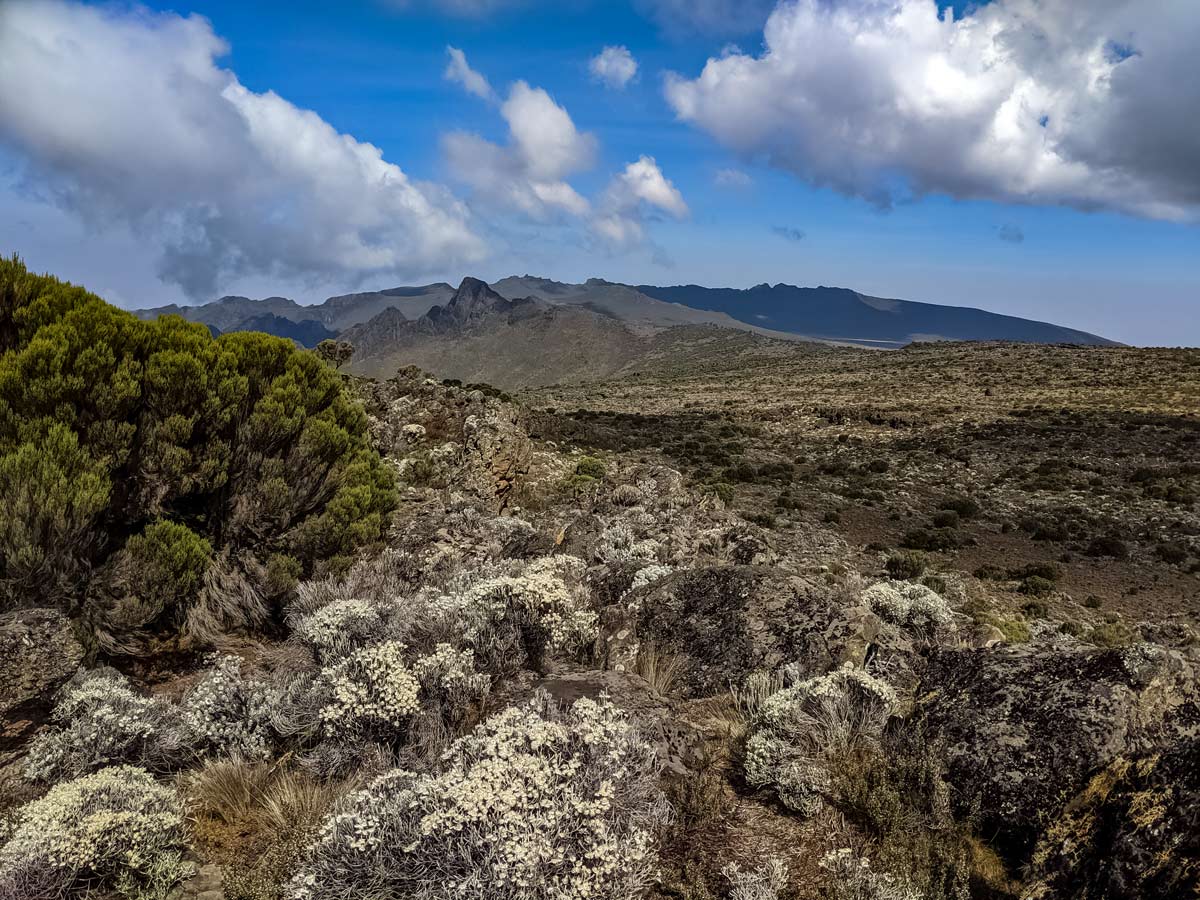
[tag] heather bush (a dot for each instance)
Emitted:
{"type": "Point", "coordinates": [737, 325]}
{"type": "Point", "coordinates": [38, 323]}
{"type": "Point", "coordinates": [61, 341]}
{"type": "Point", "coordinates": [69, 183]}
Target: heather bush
{"type": "Point", "coordinates": [115, 828]}
{"type": "Point", "coordinates": [99, 721]}
{"type": "Point", "coordinates": [911, 606]}
{"type": "Point", "coordinates": [534, 803]}
{"type": "Point", "coordinates": [229, 713]}
{"type": "Point", "coordinates": [240, 443]}
{"type": "Point", "coordinates": [797, 731]}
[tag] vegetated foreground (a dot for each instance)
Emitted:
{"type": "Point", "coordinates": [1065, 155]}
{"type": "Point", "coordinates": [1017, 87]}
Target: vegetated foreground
{"type": "Point", "coordinates": [838, 624]}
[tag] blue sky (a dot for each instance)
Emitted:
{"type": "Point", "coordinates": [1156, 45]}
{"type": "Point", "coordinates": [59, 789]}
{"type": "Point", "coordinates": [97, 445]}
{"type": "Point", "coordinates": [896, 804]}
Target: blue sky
{"type": "Point", "coordinates": [1128, 267]}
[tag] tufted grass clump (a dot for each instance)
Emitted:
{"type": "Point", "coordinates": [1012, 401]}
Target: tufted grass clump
{"type": "Point", "coordinates": [799, 731]}
{"type": "Point", "coordinates": [99, 721]}
{"type": "Point", "coordinates": [533, 804]}
{"type": "Point", "coordinates": [115, 828]}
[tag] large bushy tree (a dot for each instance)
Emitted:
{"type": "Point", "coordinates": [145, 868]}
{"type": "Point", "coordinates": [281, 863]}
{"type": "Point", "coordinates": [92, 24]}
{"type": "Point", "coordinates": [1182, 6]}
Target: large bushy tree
{"type": "Point", "coordinates": [131, 451]}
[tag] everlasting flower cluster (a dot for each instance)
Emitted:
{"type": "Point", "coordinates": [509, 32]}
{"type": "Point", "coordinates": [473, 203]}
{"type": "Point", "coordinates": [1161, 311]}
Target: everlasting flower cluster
{"type": "Point", "coordinates": [851, 878]}
{"type": "Point", "coordinates": [761, 883]}
{"type": "Point", "coordinates": [336, 629]}
{"type": "Point", "coordinates": [618, 544]}
{"type": "Point", "coordinates": [230, 713]}
{"type": "Point", "coordinates": [116, 825]}
{"type": "Point", "coordinates": [909, 605]}
{"type": "Point", "coordinates": [372, 691]}
{"type": "Point", "coordinates": [101, 721]}
{"type": "Point", "coordinates": [448, 678]}
{"type": "Point", "coordinates": [798, 730]}
{"type": "Point", "coordinates": [530, 805]}
{"type": "Point", "coordinates": [545, 594]}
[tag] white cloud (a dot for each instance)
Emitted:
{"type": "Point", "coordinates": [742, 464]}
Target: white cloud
{"type": "Point", "coordinates": [640, 190]}
{"type": "Point", "coordinates": [614, 67]}
{"type": "Point", "coordinates": [459, 71]}
{"type": "Point", "coordinates": [1039, 101]}
{"type": "Point", "coordinates": [124, 117]}
{"type": "Point", "coordinates": [529, 174]}
{"type": "Point", "coordinates": [732, 178]}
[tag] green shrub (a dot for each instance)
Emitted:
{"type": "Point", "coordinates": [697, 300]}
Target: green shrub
{"type": "Point", "coordinates": [590, 467]}
{"type": "Point", "coordinates": [127, 447]}
{"type": "Point", "coordinates": [931, 540]}
{"type": "Point", "coordinates": [906, 564]}
{"type": "Point", "coordinates": [1111, 634]}
{"type": "Point", "coordinates": [1036, 586]}
{"type": "Point", "coordinates": [966, 507]}
{"type": "Point", "coordinates": [1173, 553]}
{"type": "Point", "coordinates": [1108, 545]}
{"type": "Point", "coordinates": [945, 518]}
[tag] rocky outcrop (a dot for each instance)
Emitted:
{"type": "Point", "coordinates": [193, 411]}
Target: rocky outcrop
{"type": "Point", "coordinates": [445, 436]}
{"type": "Point", "coordinates": [1133, 832]}
{"type": "Point", "coordinates": [38, 653]}
{"type": "Point", "coordinates": [729, 621]}
{"type": "Point", "coordinates": [1026, 726]}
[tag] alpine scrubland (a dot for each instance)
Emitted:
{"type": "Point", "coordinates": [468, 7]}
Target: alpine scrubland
{"type": "Point", "coordinates": [814, 623]}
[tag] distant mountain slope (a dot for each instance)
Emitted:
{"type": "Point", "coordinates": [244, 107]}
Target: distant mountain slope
{"type": "Point", "coordinates": [780, 311]}
{"type": "Point", "coordinates": [335, 315]}
{"type": "Point", "coordinates": [621, 302]}
{"type": "Point", "coordinates": [481, 336]}
{"type": "Point", "coordinates": [306, 333]}
{"type": "Point", "coordinates": [838, 314]}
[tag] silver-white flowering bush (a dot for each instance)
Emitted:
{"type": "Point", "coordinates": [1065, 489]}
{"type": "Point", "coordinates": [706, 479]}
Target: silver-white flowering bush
{"type": "Point", "coordinates": [372, 693]}
{"type": "Point", "coordinates": [534, 804]}
{"type": "Point", "coordinates": [335, 630]}
{"type": "Point", "coordinates": [850, 877]}
{"type": "Point", "coordinates": [116, 827]}
{"type": "Point", "coordinates": [542, 606]}
{"type": "Point", "coordinates": [764, 882]}
{"type": "Point", "coordinates": [230, 713]}
{"type": "Point", "coordinates": [910, 605]}
{"type": "Point", "coordinates": [450, 686]}
{"type": "Point", "coordinates": [618, 544]}
{"type": "Point", "coordinates": [100, 720]}
{"type": "Point", "coordinates": [797, 731]}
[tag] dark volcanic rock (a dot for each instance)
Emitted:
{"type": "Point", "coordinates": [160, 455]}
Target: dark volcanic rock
{"type": "Point", "coordinates": [1026, 726]}
{"type": "Point", "coordinates": [38, 653]}
{"type": "Point", "coordinates": [729, 621]}
{"type": "Point", "coordinates": [1133, 832]}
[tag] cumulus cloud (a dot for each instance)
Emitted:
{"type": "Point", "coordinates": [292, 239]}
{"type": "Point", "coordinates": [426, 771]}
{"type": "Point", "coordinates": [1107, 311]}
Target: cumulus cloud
{"type": "Point", "coordinates": [124, 117]}
{"type": "Point", "coordinates": [459, 71]}
{"type": "Point", "coordinates": [732, 178]}
{"type": "Point", "coordinates": [614, 67]}
{"type": "Point", "coordinates": [788, 233]}
{"type": "Point", "coordinates": [638, 192]}
{"type": "Point", "coordinates": [1036, 101]}
{"type": "Point", "coordinates": [529, 174]}
{"type": "Point", "coordinates": [707, 17]}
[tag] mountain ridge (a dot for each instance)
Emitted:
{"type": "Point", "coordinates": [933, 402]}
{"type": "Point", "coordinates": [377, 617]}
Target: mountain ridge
{"type": "Point", "coordinates": [782, 311]}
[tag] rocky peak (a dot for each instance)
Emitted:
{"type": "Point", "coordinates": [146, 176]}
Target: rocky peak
{"type": "Point", "coordinates": [471, 302]}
